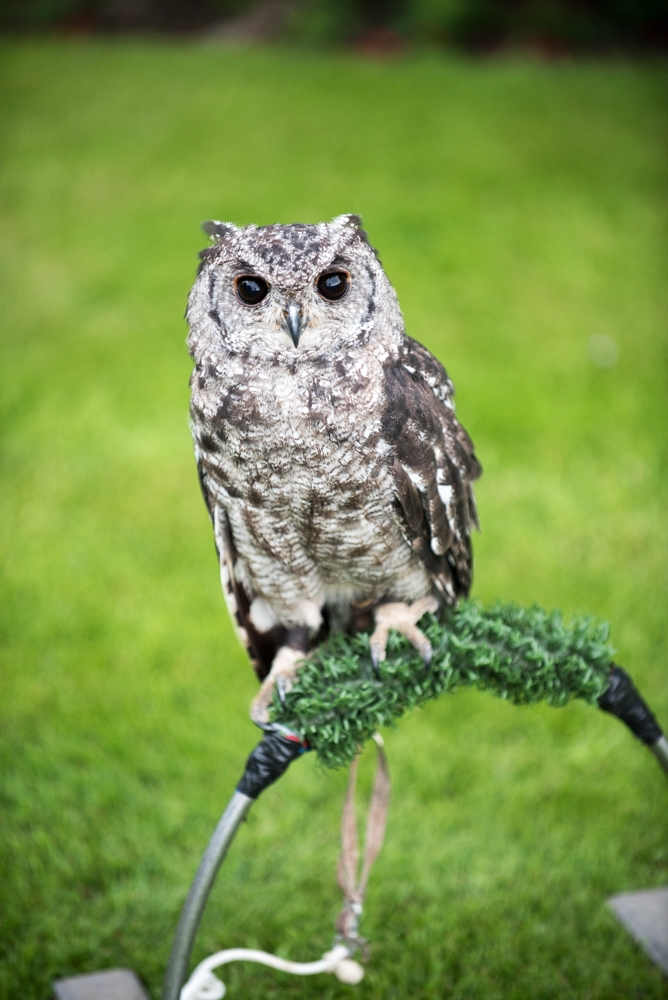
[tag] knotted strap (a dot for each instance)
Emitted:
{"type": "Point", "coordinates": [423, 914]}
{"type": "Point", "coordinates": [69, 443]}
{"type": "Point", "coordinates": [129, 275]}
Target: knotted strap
{"type": "Point", "coordinates": [352, 887]}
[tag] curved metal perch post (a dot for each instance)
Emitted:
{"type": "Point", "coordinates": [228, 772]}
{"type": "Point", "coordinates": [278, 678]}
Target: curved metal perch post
{"type": "Point", "coordinates": [270, 760]}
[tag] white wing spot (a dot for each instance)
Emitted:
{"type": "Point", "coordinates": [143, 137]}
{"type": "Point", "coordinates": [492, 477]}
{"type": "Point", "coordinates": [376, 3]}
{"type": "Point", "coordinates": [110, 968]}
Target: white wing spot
{"type": "Point", "coordinates": [445, 493]}
{"type": "Point", "coordinates": [415, 479]}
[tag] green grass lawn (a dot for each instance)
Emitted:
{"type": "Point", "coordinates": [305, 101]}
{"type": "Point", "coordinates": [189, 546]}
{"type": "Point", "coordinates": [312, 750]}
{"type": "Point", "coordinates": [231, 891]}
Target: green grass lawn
{"type": "Point", "coordinates": [519, 209]}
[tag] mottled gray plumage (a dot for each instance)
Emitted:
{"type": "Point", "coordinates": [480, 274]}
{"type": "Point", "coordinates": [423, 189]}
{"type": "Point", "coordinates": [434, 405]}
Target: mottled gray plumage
{"type": "Point", "coordinates": [335, 472]}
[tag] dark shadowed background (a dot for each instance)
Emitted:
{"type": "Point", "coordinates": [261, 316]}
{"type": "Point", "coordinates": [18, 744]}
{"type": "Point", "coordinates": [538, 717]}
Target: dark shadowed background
{"type": "Point", "coordinates": [551, 27]}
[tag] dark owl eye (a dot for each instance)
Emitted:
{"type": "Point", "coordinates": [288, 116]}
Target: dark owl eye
{"type": "Point", "coordinates": [251, 289]}
{"type": "Point", "coordinates": [333, 284]}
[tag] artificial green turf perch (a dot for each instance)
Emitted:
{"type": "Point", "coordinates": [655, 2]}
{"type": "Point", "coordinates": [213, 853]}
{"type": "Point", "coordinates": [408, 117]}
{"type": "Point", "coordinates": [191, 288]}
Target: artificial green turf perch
{"type": "Point", "coordinates": [523, 654]}
{"type": "Point", "coordinates": [341, 696]}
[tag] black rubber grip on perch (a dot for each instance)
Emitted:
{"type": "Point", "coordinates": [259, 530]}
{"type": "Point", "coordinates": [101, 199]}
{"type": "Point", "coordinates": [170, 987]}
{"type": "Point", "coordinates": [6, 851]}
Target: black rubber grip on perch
{"type": "Point", "coordinates": [624, 700]}
{"type": "Point", "coordinates": [268, 761]}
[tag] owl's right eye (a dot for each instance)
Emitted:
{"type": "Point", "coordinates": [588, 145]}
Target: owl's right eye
{"type": "Point", "coordinates": [250, 289]}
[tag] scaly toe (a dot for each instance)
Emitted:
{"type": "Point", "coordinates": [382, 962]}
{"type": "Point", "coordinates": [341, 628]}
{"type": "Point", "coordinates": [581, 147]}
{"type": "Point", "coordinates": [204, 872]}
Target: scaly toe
{"type": "Point", "coordinates": [402, 617]}
{"type": "Point", "coordinates": [283, 672]}
{"type": "Point", "coordinates": [421, 607]}
{"type": "Point", "coordinates": [259, 714]}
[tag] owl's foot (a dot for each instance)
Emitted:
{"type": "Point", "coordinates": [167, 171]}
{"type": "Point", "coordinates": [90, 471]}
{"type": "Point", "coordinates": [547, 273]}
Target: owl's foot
{"type": "Point", "coordinates": [281, 676]}
{"type": "Point", "coordinates": [403, 618]}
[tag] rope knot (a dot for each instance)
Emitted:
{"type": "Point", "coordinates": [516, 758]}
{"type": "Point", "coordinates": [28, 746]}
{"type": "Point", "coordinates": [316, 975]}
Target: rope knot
{"type": "Point", "coordinates": [352, 881]}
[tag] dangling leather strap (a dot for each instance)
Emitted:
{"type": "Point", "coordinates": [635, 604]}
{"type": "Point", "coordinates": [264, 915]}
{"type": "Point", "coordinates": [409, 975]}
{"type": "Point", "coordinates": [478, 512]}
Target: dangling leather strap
{"type": "Point", "coordinates": [352, 887]}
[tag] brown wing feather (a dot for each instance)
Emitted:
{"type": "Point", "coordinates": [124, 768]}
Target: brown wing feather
{"type": "Point", "coordinates": [261, 646]}
{"type": "Point", "coordinates": [434, 466]}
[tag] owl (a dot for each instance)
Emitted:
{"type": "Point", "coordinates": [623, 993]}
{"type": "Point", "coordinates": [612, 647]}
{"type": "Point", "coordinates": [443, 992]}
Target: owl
{"type": "Point", "coordinates": [336, 475]}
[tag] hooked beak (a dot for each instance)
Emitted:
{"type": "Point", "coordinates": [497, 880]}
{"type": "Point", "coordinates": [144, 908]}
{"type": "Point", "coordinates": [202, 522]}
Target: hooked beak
{"type": "Point", "coordinates": [295, 321]}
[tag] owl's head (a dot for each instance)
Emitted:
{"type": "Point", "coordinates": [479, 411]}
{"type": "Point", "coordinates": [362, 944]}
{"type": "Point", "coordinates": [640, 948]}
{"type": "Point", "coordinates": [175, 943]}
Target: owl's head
{"type": "Point", "coordinates": [276, 290]}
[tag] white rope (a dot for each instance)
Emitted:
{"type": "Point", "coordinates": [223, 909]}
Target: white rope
{"type": "Point", "coordinates": [204, 985]}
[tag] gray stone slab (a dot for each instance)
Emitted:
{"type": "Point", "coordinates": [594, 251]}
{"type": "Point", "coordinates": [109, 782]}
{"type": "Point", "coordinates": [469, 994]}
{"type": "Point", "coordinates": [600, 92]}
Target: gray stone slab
{"type": "Point", "coordinates": [645, 916]}
{"type": "Point", "coordinates": [112, 984]}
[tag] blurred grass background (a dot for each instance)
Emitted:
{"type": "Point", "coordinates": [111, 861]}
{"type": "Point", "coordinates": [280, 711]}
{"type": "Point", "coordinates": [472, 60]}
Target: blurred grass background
{"type": "Point", "coordinates": [519, 209]}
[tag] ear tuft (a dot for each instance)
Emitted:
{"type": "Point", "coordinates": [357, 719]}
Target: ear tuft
{"type": "Point", "coordinates": [218, 230]}
{"type": "Point", "coordinates": [348, 221]}
{"type": "Point", "coordinates": [354, 222]}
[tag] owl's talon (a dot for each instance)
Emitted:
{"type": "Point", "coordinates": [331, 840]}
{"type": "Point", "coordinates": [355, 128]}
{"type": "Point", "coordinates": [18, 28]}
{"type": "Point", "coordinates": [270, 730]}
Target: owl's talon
{"type": "Point", "coordinates": [375, 660]}
{"type": "Point", "coordinates": [281, 689]}
{"type": "Point", "coordinates": [426, 659]}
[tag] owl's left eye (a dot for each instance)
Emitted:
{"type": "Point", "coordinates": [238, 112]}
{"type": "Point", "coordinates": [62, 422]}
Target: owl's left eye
{"type": "Point", "coordinates": [251, 289]}
{"type": "Point", "coordinates": [333, 284]}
